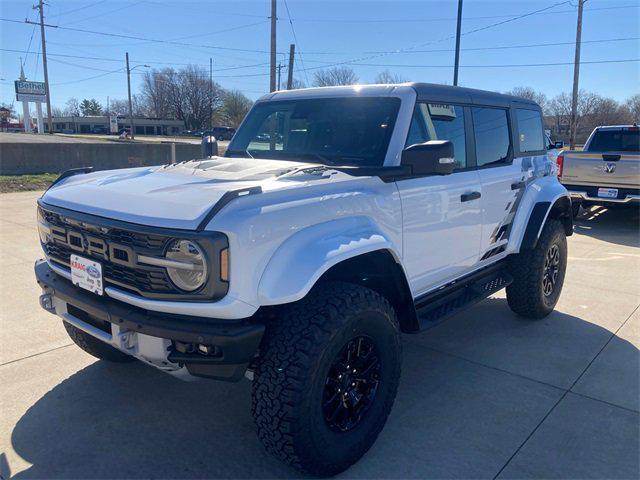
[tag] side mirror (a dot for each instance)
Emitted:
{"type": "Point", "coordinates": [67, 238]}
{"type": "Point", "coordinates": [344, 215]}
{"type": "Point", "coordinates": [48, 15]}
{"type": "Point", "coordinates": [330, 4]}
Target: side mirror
{"type": "Point", "coordinates": [434, 157]}
{"type": "Point", "coordinates": [559, 144]}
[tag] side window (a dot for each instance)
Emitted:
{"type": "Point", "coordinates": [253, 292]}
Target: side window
{"type": "Point", "coordinates": [418, 129]}
{"type": "Point", "coordinates": [448, 124]}
{"type": "Point", "coordinates": [531, 137]}
{"type": "Point", "coordinates": [491, 129]}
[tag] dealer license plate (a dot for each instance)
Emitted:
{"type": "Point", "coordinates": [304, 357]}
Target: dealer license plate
{"type": "Point", "coordinates": [608, 192]}
{"type": "Point", "coordinates": [86, 274]}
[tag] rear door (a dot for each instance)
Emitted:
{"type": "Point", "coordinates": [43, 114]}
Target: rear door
{"type": "Point", "coordinates": [500, 176]}
{"type": "Point", "coordinates": [442, 217]}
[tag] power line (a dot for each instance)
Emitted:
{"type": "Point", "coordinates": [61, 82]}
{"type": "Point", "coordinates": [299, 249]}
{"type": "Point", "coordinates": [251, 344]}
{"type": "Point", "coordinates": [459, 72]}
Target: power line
{"type": "Point", "coordinates": [295, 39]}
{"type": "Point", "coordinates": [89, 78]}
{"type": "Point", "coordinates": [66, 12]}
{"type": "Point", "coordinates": [507, 47]}
{"type": "Point", "coordinates": [129, 5]}
{"type": "Point", "coordinates": [514, 65]}
{"type": "Point", "coordinates": [235, 67]}
{"type": "Point", "coordinates": [135, 37]}
{"type": "Point", "coordinates": [425, 20]}
{"type": "Point", "coordinates": [475, 30]}
{"type": "Point", "coordinates": [105, 59]}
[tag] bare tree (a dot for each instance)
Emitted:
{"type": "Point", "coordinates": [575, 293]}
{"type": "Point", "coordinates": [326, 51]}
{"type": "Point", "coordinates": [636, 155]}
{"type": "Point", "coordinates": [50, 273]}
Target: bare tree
{"type": "Point", "coordinates": [235, 106]}
{"type": "Point", "coordinates": [633, 105]}
{"type": "Point", "coordinates": [72, 108]}
{"type": "Point", "coordinates": [530, 94]}
{"type": "Point", "coordinates": [186, 95]}
{"type": "Point", "coordinates": [334, 76]}
{"type": "Point", "coordinates": [560, 108]}
{"type": "Point", "coordinates": [297, 84]}
{"type": "Point", "coordinates": [387, 76]}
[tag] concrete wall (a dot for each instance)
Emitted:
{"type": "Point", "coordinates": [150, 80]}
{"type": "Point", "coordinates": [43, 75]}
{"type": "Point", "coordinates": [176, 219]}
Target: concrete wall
{"type": "Point", "coordinates": [31, 158]}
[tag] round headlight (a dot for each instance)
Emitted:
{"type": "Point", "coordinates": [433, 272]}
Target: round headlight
{"type": "Point", "coordinates": [189, 272]}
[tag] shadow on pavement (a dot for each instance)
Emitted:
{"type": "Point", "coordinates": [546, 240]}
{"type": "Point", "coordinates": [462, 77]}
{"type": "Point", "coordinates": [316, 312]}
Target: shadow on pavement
{"type": "Point", "coordinates": [453, 418]}
{"type": "Point", "coordinates": [617, 224]}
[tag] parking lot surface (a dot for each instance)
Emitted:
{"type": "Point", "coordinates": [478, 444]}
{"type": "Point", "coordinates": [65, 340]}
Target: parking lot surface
{"type": "Point", "coordinates": [485, 394]}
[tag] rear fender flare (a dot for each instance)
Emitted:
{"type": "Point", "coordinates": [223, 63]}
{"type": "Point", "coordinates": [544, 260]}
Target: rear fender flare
{"type": "Point", "coordinates": [545, 197]}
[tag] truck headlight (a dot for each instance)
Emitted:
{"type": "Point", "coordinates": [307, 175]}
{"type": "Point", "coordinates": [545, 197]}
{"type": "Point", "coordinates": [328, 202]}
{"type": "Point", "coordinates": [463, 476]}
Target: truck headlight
{"type": "Point", "coordinates": [44, 230]}
{"type": "Point", "coordinates": [189, 272]}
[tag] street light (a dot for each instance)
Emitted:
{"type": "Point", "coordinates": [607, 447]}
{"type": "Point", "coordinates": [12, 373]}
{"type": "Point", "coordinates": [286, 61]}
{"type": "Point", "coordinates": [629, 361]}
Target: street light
{"type": "Point", "coordinates": [129, 89]}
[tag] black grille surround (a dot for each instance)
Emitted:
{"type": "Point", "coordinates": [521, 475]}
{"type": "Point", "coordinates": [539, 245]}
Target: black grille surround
{"type": "Point", "coordinates": [76, 233]}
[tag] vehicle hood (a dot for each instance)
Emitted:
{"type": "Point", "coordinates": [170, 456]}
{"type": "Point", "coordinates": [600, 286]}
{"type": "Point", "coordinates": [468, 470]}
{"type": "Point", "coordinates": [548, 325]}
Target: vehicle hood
{"type": "Point", "coordinates": [178, 195]}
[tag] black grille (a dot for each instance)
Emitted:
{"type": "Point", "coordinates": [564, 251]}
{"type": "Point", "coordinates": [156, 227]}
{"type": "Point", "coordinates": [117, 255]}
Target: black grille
{"type": "Point", "coordinates": [141, 279]}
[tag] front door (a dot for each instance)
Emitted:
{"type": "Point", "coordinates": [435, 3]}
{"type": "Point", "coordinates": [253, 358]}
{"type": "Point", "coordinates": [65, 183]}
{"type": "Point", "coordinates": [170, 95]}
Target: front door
{"type": "Point", "coordinates": [442, 215]}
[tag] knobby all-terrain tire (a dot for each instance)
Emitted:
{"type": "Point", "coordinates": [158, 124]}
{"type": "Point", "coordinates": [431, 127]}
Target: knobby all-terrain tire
{"type": "Point", "coordinates": [95, 347]}
{"type": "Point", "coordinates": [296, 354]}
{"type": "Point", "coordinates": [525, 295]}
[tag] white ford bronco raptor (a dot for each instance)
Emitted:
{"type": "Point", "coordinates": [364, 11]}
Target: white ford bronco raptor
{"type": "Point", "coordinates": [337, 219]}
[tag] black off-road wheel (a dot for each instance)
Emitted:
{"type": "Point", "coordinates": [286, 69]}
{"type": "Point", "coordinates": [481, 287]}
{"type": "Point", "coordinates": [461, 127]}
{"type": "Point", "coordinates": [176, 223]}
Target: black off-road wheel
{"type": "Point", "coordinates": [95, 347]}
{"type": "Point", "coordinates": [327, 377]}
{"type": "Point", "coordinates": [538, 274]}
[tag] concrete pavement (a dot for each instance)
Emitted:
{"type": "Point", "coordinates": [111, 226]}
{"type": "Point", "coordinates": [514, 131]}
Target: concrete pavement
{"type": "Point", "coordinates": [485, 394]}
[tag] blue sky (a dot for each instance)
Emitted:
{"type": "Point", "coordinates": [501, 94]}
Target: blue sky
{"type": "Point", "coordinates": [366, 33]}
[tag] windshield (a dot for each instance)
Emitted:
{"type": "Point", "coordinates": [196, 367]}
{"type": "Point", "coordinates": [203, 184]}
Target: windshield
{"type": "Point", "coordinates": [331, 131]}
{"type": "Point", "coordinates": [623, 140]}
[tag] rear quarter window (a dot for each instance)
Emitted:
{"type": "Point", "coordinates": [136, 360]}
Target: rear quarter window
{"type": "Point", "coordinates": [530, 133]}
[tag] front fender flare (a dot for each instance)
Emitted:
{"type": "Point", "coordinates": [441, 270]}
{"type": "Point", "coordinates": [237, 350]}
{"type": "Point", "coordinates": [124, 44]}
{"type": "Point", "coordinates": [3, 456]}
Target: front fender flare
{"type": "Point", "coordinates": [305, 256]}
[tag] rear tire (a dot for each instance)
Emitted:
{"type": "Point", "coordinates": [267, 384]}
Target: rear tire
{"type": "Point", "coordinates": [538, 274]}
{"type": "Point", "coordinates": [309, 409]}
{"type": "Point", "coordinates": [95, 347]}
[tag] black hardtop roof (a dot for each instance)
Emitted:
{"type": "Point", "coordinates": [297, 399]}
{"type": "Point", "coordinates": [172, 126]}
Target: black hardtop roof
{"type": "Point", "coordinates": [448, 93]}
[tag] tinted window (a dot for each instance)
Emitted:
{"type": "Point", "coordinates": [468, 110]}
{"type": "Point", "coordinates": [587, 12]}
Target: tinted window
{"type": "Point", "coordinates": [448, 123]}
{"type": "Point", "coordinates": [492, 135]}
{"type": "Point", "coordinates": [616, 140]}
{"type": "Point", "coordinates": [531, 136]}
{"type": "Point", "coordinates": [436, 121]}
{"type": "Point", "coordinates": [342, 131]}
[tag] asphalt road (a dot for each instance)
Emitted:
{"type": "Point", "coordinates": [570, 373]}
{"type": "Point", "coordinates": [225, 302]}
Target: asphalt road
{"type": "Point", "coordinates": [485, 394]}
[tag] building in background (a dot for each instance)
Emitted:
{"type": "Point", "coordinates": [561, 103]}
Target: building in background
{"type": "Point", "coordinates": [100, 124]}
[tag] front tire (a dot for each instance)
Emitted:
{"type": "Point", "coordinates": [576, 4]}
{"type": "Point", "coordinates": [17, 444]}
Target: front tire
{"type": "Point", "coordinates": [327, 377]}
{"type": "Point", "coordinates": [538, 274]}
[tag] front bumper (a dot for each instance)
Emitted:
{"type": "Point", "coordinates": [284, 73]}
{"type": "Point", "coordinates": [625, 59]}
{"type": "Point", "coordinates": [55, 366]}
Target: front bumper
{"type": "Point", "coordinates": [157, 338]}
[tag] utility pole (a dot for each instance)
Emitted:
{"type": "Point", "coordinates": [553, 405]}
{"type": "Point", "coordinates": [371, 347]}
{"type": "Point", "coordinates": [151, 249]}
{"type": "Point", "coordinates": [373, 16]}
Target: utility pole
{"type": "Point", "coordinates": [576, 76]}
{"type": "Point", "coordinates": [40, 7]}
{"type": "Point", "coordinates": [292, 52]}
{"type": "Point", "coordinates": [129, 90]}
{"type": "Point", "coordinates": [279, 74]}
{"type": "Point", "coordinates": [457, 61]}
{"type": "Point", "coordinates": [210, 93]}
{"type": "Point", "coordinates": [272, 75]}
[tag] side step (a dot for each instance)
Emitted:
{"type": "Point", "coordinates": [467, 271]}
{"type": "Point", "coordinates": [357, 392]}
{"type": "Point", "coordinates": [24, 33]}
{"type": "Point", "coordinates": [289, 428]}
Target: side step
{"type": "Point", "coordinates": [436, 306]}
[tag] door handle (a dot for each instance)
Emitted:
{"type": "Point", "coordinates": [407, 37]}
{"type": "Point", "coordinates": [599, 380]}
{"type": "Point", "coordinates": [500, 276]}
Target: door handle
{"type": "Point", "coordinates": [517, 185]}
{"type": "Point", "coordinates": [467, 197]}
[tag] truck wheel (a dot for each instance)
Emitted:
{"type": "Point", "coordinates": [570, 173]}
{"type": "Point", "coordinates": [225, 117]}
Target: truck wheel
{"type": "Point", "coordinates": [327, 377]}
{"type": "Point", "coordinates": [538, 274]}
{"type": "Point", "coordinates": [95, 347]}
